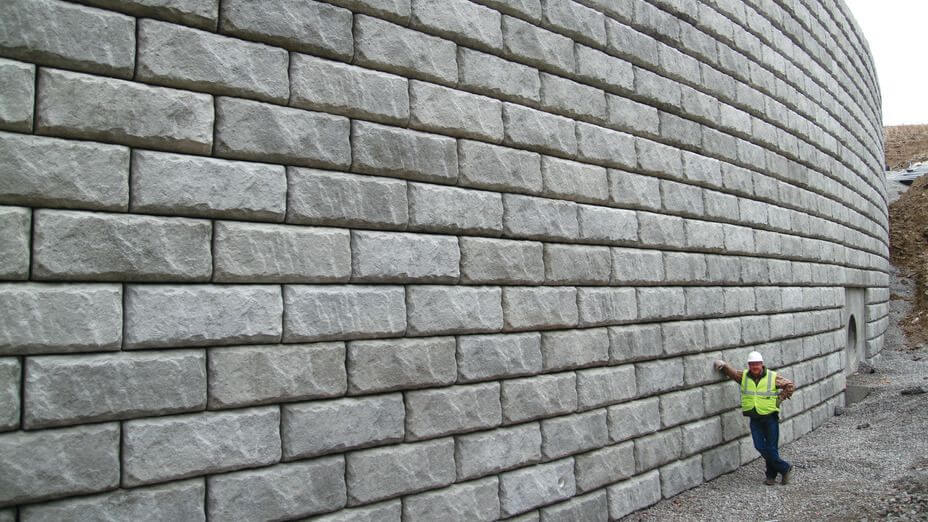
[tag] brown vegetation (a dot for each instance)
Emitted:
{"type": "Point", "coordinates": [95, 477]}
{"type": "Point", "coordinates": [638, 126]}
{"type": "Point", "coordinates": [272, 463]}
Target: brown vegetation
{"type": "Point", "coordinates": [905, 144]}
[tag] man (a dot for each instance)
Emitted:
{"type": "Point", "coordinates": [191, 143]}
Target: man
{"type": "Point", "coordinates": [761, 393]}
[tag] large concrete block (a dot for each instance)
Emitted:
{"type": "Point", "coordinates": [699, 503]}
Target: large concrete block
{"type": "Point", "coordinates": [380, 473]}
{"type": "Point", "coordinates": [60, 318]}
{"type": "Point", "coordinates": [316, 313]}
{"type": "Point", "coordinates": [488, 261]}
{"type": "Point", "coordinates": [593, 507]}
{"type": "Point", "coordinates": [197, 13]}
{"type": "Point", "coordinates": [341, 199]}
{"type": "Point", "coordinates": [659, 376]}
{"type": "Point", "coordinates": [378, 366]}
{"type": "Point", "coordinates": [525, 489]}
{"type": "Point", "coordinates": [607, 225]}
{"type": "Point", "coordinates": [573, 180]}
{"type": "Point", "coordinates": [575, 20]}
{"type": "Point", "coordinates": [631, 116]}
{"type": "Point", "coordinates": [15, 238]}
{"type": "Point", "coordinates": [488, 452]}
{"type": "Point", "coordinates": [312, 27]}
{"type": "Point", "coordinates": [532, 398]}
{"type": "Point", "coordinates": [572, 99]}
{"type": "Point", "coordinates": [496, 77]}
{"type": "Point", "coordinates": [680, 198]}
{"type": "Point", "coordinates": [393, 151]}
{"type": "Point", "coordinates": [632, 265]}
{"type": "Point", "coordinates": [383, 45]}
{"type": "Point", "coordinates": [683, 337]}
{"type": "Point", "coordinates": [633, 494]}
{"type": "Point", "coordinates": [661, 303]}
{"type": "Point", "coordinates": [605, 147]}
{"type": "Point", "coordinates": [459, 20]}
{"type": "Point", "coordinates": [448, 111]}
{"type": "Point", "coordinates": [201, 315]}
{"type": "Point", "coordinates": [181, 446]}
{"type": "Point", "coordinates": [681, 476]}
{"type": "Point", "coordinates": [10, 397]}
{"type": "Point", "coordinates": [599, 68]}
{"type": "Point", "coordinates": [604, 306]}
{"type": "Point", "coordinates": [527, 308]}
{"type": "Point", "coordinates": [659, 230]}
{"type": "Point", "coordinates": [681, 406]}
{"type": "Point", "coordinates": [633, 419]}
{"type": "Point", "coordinates": [721, 460]}
{"type": "Point", "coordinates": [499, 168]}
{"type": "Point", "coordinates": [481, 357]}
{"type": "Point", "coordinates": [478, 500]}
{"type": "Point", "coordinates": [605, 466]}
{"type": "Point", "coordinates": [246, 375]}
{"type": "Point", "coordinates": [536, 46]}
{"type": "Point", "coordinates": [118, 247]}
{"type": "Point", "coordinates": [604, 386]}
{"type": "Point", "coordinates": [537, 130]}
{"type": "Point", "coordinates": [17, 82]}
{"type": "Point", "coordinates": [458, 409]}
{"type": "Point", "coordinates": [393, 257]}
{"type": "Point", "coordinates": [640, 341]}
{"type": "Point", "coordinates": [388, 511]}
{"type": "Point", "coordinates": [540, 218]}
{"type": "Point", "coordinates": [571, 434]}
{"type": "Point", "coordinates": [567, 349]}
{"type": "Point", "coordinates": [577, 264]}
{"type": "Point", "coordinates": [454, 309]}
{"type": "Point", "coordinates": [47, 464]}
{"type": "Point", "coordinates": [634, 190]}
{"type": "Point", "coordinates": [699, 435]}
{"type": "Point", "coordinates": [658, 449]}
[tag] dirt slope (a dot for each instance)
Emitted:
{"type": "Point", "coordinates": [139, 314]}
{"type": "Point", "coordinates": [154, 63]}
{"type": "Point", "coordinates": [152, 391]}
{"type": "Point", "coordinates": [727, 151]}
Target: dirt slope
{"type": "Point", "coordinates": [905, 144]}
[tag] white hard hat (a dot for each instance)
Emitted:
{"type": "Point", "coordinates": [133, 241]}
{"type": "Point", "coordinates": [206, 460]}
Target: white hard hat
{"type": "Point", "coordinates": [755, 357]}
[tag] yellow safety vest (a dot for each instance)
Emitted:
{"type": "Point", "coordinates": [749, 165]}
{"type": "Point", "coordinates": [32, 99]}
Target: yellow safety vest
{"type": "Point", "coordinates": [761, 397]}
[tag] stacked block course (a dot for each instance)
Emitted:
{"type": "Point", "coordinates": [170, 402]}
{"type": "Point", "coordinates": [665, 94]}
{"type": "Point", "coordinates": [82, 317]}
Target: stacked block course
{"type": "Point", "coordinates": [420, 259]}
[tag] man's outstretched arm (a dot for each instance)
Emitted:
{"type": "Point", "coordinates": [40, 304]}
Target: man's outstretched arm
{"type": "Point", "coordinates": [728, 370]}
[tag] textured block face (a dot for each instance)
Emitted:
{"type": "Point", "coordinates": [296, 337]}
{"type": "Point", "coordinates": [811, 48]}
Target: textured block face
{"type": "Point", "coordinates": [602, 306]}
{"type": "Point", "coordinates": [17, 82]}
{"type": "Point", "coordinates": [607, 225]}
{"type": "Point", "coordinates": [458, 409]}
{"type": "Point", "coordinates": [572, 99]}
{"type": "Point", "coordinates": [605, 147]}
{"type": "Point", "coordinates": [248, 375]}
{"type": "Point", "coordinates": [377, 366]}
{"type": "Point", "coordinates": [605, 466]}
{"type": "Point", "coordinates": [537, 46]}
{"type": "Point", "coordinates": [589, 507]}
{"type": "Point", "coordinates": [499, 168]}
{"type": "Point", "coordinates": [454, 210]}
{"type": "Point", "coordinates": [447, 309]}
{"type": "Point", "coordinates": [384, 257]}
{"type": "Point", "coordinates": [602, 69]}
{"type": "Point", "coordinates": [58, 463]}
{"type": "Point", "coordinates": [81, 106]}
{"type": "Point", "coordinates": [449, 111]}
{"type": "Point", "coordinates": [680, 476]}
{"type": "Point", "coordinates": [481, 357]}
{"type": "Point", "coordinates": [657, 449]}
{"type": "Point", "coordinates": [63, 389]}
{"type": "Point", "coordinates": [541, 131]}
{"type": "Point", "coordinates": [113, 247]}
{"type": "Point", "coordinates": [527, 308]}
{"type": "Point", "coordinates": [539, 218]}
{"type": "Point", "coordinates": [317, 313]}
{"type": "Point", "coordinates": [339, 199]}
{"type": "Point", "coordinates": [72, 318]}
{"type": "Point", "coordinates": [490, 261]}
{"type": "Point", "coordinates": [525, 489]}
{"type": "Point", "coordinates": [282, 491]}
{"type": "Point", "coordinates": [375, 474]}
{"type": "Point", "coordinates": [497, 450]}
{"type": "Point", "coordinates": [312, 27]}
{"type": "Point", "coordinates": [634, 494]}
{"type": "Point", "coordinates": [197, 13]}
{"type": "Point", "coordinates": [658, 376]}
{"type": "Point", "coordinates": [200, 315]}
{"type": "Point", "coordinates": [632, 342]}
{"type": "Point", "coordinates": [572, 180]}
{"type": "Point", "coordinates": [320, 427]}
{"type": "Point", "coordinates": [494, 76]}
{"type": "Point", "coordinates": [459, 20]}
{"type": "Point", "coordinates": [15, 229]}
{"type": "Point", "coordinates": [382, 150]}
{"type": "Point", "coordinates": [382, 45]}
{"type": "Point", "coordinates": [10, 376]}
{"type": "Point", "coordinates": [567, 349]}
{"type": "Point", "coordinates": [575, 264]}
{"type": "Point", "coordinates": [541, 396]}
{"type": "Point", "coordinates": [573, 434]}
{"type": "Point", "coordinates": [603, 386]}
{"type": "Point", "coordinates": [633, 419]}
{"type": "Point", "coordinates": [170, 448]}
{"type": "Point", "coordinates": [477, 500]}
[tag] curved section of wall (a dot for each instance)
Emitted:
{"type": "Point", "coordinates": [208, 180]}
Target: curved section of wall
{"type": "Point", "coordinates": [409, 259]}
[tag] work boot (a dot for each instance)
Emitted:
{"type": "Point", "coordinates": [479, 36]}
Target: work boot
{"type": "Point", "coordinates": [785, 479]}
{"type": "Point", "coordinates": [770, 481]}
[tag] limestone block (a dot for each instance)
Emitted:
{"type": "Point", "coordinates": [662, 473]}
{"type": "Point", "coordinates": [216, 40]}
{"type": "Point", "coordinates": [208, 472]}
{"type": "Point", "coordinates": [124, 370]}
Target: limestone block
{"type": "Point", "coordinates": [567, 349]}
{"type": "Point", "coordinates": [74, 105]}
{"type": "Point", "coordinates": [499, 168]}
{"type": "Point", "coordinates": [459, 20]}
{"type": "Point", "coordinates": [60, 318]}
{"type": "Point", "coordinates": [174, 501]}
{"type": "Point", "coordinates": [478, 500]}
{"type": "Point", "coordinates": [577, 264]}
{"type": "Point", "coordinates": [657, 449]}
{"type": "Point", "coordinates": [629, 115]}
{"type": "Point", "coordinates": [631, 266]}
{"type": "Point", "coordinates": [201, 315]}
{"type": "Point", "coordinates": [383, 45]}
{"type": "Point", "coordinates": [458, 409]}
{"type": "Point", "coordinates": [564, 179]}
{"type": "Point", "coordinates": [527, 308]}
{"type": "Point", "coordinates": [316, 313]}
{"type": "Point", "coordinates": [681, 406]}
{"type": "Point", "coordinates": [575, 20]}
{"type": "Point", "coordinates": [457, 113]}
{"type": "Point", "coordinates": [607, 225]}
{"type": "Point", "coordinates": [535, 46]}
{"type": "Point", "coordinates": [633, 494]}
{"type": "Point", "coordinates": [50, 172]}
{"type": "Point", "coordinates": [66, 389]}
{"type": "Point", "coordinates": [659, 376]}
{"type": "Point", "coordinates": [604, 466]}
{"type": "Point", "coordinates": [572, 99]}
{"type": "Point", "coordinates": [496, 77]}
{"type": "Point", "coordinates": [571, 434]}
{"type": "Point", "coordinates": [702, 434]}
{"type": "Point", "coordinates": [639, 341]}
{"type": "Point", "coordinates": [661, 303]}
{"type": "Point", "coordinates": [197, 13]}
{"type": "Point", "coordinates": [604, 386]}
{"type": "Point", "coordinates": [537, 130]}
{"type": "Point", "coordinates": [47, 464]}
{"type": "Point", "coordinates": [634, 190]}
{"type": "Point", "coordinates": [599, 68]}
{"type": "Point", "coordinates": [605, 147]}
{"type": "Point", "coordinates": [378, 366]}
{"type": "Point", "coordinates": [108, 247]}
{"type": "Point", "coordinates": [481, 357]}
{"type": "Point", "coordinates": [683, 337]}
{"type": "Point", "coordinates": [488, 261]}
{"type": "Point", "coordinates": [605, 306]}
{"type": "Point", "coordinates": [487, 452]}
{"type": "Point", "coordinates": [282, 491]}
{"type": "Point", "coordinates": [721, 460]}
{"type": "Point", "coordinates": [246, 375]}
{"type": "Point", "coordinates": [659, 230]}
{"type": "Point", "coordinates": [181, 446]}
{"type": "Point", "coordinates": [339, 88]}
{"type": "Point", "coordinates": [311, 27]}
{"type": "Point", "coordinates": [525, 489]}
{"type": "Point", "coordinates": [392, 151]}
{"type": "Point", "coordinates": [436, 310]}
{"type": "Point", "coordinates": [594, 507]}
{"type": "Point", "coordinates": [10, 398]}
{"type": "Point", "coordinates": [389, 511]}
{"type": "Point", "coordinates": [61, 34]}
{"type": "Point", "coordinates": [252, 130]}
{"type": "Point", "coordinates": [316, 428]}
{"type": "Point", "coordinates": [539, 218]}
{"type": "Point", "coordinates": [15, 232]}
{"type": "Point", "coordinates": [204, 187]}
{"type": "Point", "coordinates": [340, 199]}
{"type": "Point", "coordinates": [680, 198]}
{"type": "Point", "coordinates": [17, 82]}
{"type": "Point", "coordinates": [178, 56]}
{"type": "Point", "coordinates": [681, 476]}
{"type": "Point", "coordinates": [531, 398]}
{"type": "Point", "coordinates": [380, 473]}
{"type": "Point", "coordinates": [385, 257]}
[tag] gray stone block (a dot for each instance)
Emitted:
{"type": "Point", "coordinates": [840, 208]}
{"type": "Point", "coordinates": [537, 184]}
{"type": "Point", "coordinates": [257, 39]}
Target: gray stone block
{"type": "Point", "coordinates": [539, 218]}
{"type": "Point", "coordinates": [339, 88]}
{"type": "Point", "coordinates": [605, 306]}
{"type": "Point", "coordinates": [683, 337]}
{"type": "Point", "coordinates": [704, 235]}
{"type": "Point", "coordinates": [201, 315]}
{"type": "Point", "coordinates": [10, 398]}
{"type": "Point", "coordinates": [604, 466]}
{"type": "Point", "coordinates": [380, 473]}
{"type": "Point", "coordinates": [378, 366]}
{"type": "Point", "coordinates": [637, 266]}
{"type": "Point", "coordinates": [496, 77]}
{"type": "Point", "coordinates": [60, 34]}
{"type": "Point", "coordinates": [383, 45]}
{"type": "Point", "coordinates": [661, 303]}
{"type": "Point", "coordinates": [178, 56]}
{"type": "Point", "coordinates": [699, 435]}
{"type": "Point", "coordinates": [537, 130]}
{"type": "Point", "coordinates": [489, 261]}
{"type": "Point", "coordinates": [312, 27]}
{"type": "Point", "coordinates": [389, 511]}
{"type": "Point", "coordinates": [47, 464]}
{"type": "Point", "coordinates": [385, 257]}
{"type": "Point", "coordinates": [316, 428]}
{"type": "Point", "coordinates": [251, 130]}
{"type": "Point", "coordinates": [478, 500]}
{"type": "Point", "coordinates": [481, 357]}
{"type": "Point", "coordinates": [205, 187]}
{"type": "Point", "coordinates": [566, 179]}
{"type": "Point", "coordinates": [699, 369]}
{"type": "Point", "coordinates": [65, 318]}
{"type": "Point", "coordinates": [114, 247]}
{"type": "Point", "coordinates": [702, 301]}
{"type": "Point", "coordinates": [64, 389]}
{"type": "Point", "coordinates": [605, 147]}
{"type": "Point", "coordinates": [604, 386]}
{"type": "Point", "coordinates": [572, 99]}
{"type": "Point", "coordinates": [458, 409]}
{"type": "Point", "coordinates": [659, 230]}
{"type": "Point", "coordinates": [599, 68]}
{"type": "Point", "coordinates": [593, 507]}
{"type": "Point", "coordinates": [341, 199]}
{"type": "Point", "coordinates": [640, 341]}
{"type": "Point", "coordinates": [658, 449]}
{"type": "Point", "coordinates": [659, 376]}
{"type": "Point", "coordinates": [681, 406]}
{"type": "Point", "coordinates": [15, 238]}
{"type": "Point", "coordinates": [680, 198]}
{"type": "Point", "coordinates": [577, 264]}
{"type": "Point", "coordinates": [633, 494]}
{"type": "Point", "coordinates": [181, 446]}
{"type": "Point", "coordinates": [436, 310]}
{"type": "Point", "coordinates": [721, 460]}
{"type": "Point", "coordinates": [527, 308]}
{"type": "Point", "coordinates": [392, 151]}
{"type": "Point", "coordinates": [634, 190]}
{"type": "Point", "coordinates": [316, 313]}
{"type": "Point", "coordinates": [525, 489]}
{"type": "Point", "coordinates": [567, 349]}
{"type": "Point", "coordinates": [174, 501]}
{"type": "Point", "coordinates": [629, 115]}
{"type": "Point", "coordinates": [720, 397]}
{"type": "Point", "coordinates": [487, 452]}
{"type": "Point", "coordinates": [575, 20]}
{"type": "Point", "coordinates": [571, 434]}
{"type": "Point", "coordinates": [17, 82]}
{"type": "Point", "coordinates": [459, 20]}
{"type": "Point", "coordinates": [498, 168]}
{"type": "Point", "coordinates": [50, 172]}
{"type": "Point", "coordinates": [633, 419]}
{"type": "Point", "coordinates": [197, 13]}
{"type": "Point", "coordinates": [681, 476]}
{"type": "Point", "coordinates": [283, 491]}
{"type": "Point", "coordinates": [532, 398]}
{"type": "Point", "coordinates": [457, 113]}
{"type": "Point", "coordinates": [538, 47]}
{"type": "Point", "coordinates": [246, 375]}
{"type": "Point", "coordinates": [607, 225]}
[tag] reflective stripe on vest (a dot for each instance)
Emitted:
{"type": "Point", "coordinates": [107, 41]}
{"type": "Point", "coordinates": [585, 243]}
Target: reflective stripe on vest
{"type": "Point", "coordinates": [762, 396]}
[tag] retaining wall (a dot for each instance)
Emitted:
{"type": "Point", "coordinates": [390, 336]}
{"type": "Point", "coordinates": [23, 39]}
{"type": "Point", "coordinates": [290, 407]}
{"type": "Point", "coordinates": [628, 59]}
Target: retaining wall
{"type": "Point", "coordinates": [419, 259]}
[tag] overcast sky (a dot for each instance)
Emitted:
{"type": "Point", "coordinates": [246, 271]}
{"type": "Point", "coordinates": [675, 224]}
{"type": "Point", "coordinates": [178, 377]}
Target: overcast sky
{"type": "Point", "coordinates": [897, 31]}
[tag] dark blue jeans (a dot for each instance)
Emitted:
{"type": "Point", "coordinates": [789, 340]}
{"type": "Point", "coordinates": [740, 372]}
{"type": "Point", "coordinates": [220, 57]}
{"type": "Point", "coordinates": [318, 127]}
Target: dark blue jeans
{"type": "Point", "coordinates": [766, 434]}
